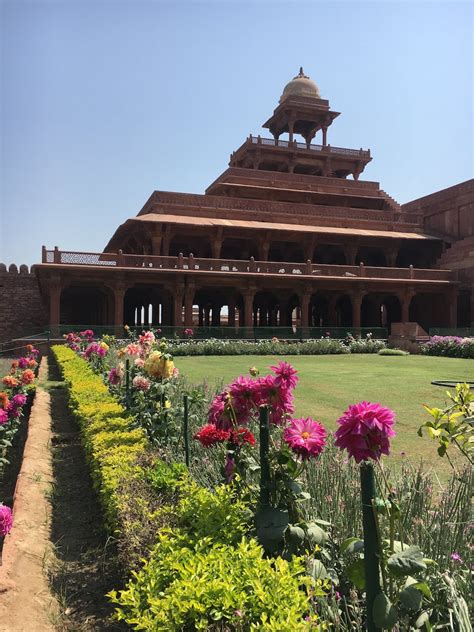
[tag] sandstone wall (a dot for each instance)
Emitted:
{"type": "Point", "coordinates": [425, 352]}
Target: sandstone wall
{"type": "Point", "coordinates": [449, 212]}
{"type": "Point", "coordinates": [22, 309]}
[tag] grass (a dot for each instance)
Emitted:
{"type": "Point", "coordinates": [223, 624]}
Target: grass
{"type": "Point", "coordinates": [328, 384]}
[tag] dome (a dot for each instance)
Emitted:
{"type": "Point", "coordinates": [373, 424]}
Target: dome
{"type": "Point", "coordinates": [301, 86]}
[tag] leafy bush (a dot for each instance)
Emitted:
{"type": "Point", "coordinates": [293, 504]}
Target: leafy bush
{"type": "Point", "coordinates": [208, 585]}
{"type": "Point", "coordinates": [450, 346]}
{"type": "Point", "coordinates": [392, 352]}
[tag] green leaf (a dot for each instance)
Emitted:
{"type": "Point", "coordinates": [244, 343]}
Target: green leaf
{"type": "Point", "coordinates": [352, 545]}
{"type": "Point", "coordinates": [317, 570]}
{"type": "Point", "coordinates": [411, 598]}
{"type": "Point", "coordinates": [356, 573]}
{"type": "Point", "coordinates": [422, 620]}
{"type": "Point", "coordinates": [424, 588]}
{"type": "Point", "coordinates": [315, 535]}
{"type": "Point", "coordinates": [294, 535]}
{"type": "Point", "coordinates": [407, 562]}
{"type": "Point", "coordinates": [384, 612]}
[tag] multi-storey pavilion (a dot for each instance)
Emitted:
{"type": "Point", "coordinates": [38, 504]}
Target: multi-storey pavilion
{"type": "Point", "coordinates": [288, 233]}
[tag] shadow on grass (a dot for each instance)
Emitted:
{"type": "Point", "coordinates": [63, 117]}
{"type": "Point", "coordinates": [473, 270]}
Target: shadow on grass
{"type": "Point", "coordinates": [83, 566]}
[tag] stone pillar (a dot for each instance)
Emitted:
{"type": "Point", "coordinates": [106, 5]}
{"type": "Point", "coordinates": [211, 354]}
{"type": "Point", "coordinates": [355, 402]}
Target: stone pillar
{"type": "Point", "coordinates": [201, 316]}
{"type": "Point", "coordinates": [156, 239]}
{"type": "Point", "coordinates": [188, 305]}
{"type": "Point", "coordinates": [356, 308]}
{"type": "Point", "coordinates": [391, 255]}
{"type": "Point", "coordinates": [304, 303]}
{"type": "Point", "coordinates": [119, 295]}
{"type": "Point", "coordinates": [405, 300]}
{"type": "Point", "coordinates": [332, 314]}
{"type": "Point", "coordinates": [178, 305]}
{"type": "Point", "coordinates": [350, 252]}
{"type": "Point", "coordinates": [263, 249]}
{"type": "Point", "coordinates": [249, 296]}
{"type": "Point", "coordinates": [325, 136]}
{"type": "Point", "coordinates": [216, 315]}
{"type": "Point", "coordinates": [231, 308]}
{"type": "Point", "coordinates": [207, 316]}
{"type": "Point", "coordinates": [166, 241]}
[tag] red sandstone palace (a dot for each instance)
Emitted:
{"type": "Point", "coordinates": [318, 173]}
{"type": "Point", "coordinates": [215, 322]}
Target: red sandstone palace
{"type": "Point", "coordinates": [289, 234]}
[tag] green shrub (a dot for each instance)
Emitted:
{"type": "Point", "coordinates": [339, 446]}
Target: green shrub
{"type": "Point", "coordinates": [206, 585]}
{"type": "Point", "coordinates": [392, 352]}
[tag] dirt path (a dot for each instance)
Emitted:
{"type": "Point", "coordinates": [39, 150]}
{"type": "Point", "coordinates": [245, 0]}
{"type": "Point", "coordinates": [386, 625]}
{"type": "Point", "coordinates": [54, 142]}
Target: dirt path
{"type": "Point", "coordinates": [58, 563]}
{"type": "Point", "coordinates": [26, 603]}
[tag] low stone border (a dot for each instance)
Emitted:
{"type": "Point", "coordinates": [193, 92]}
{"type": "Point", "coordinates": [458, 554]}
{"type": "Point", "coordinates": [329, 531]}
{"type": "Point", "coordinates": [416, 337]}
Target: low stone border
{"type": "Point", "coordinates": [26, 603]}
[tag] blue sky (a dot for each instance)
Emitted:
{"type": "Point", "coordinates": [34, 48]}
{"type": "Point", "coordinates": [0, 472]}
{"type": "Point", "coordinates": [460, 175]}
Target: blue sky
{"type": "Point", "coordinates": [104, 102]}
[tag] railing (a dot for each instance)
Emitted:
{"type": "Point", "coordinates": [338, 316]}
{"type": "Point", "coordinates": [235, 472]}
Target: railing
{"type": "Point", "coordinates": [167, 203]}
{"type": "Point", "coordinates": [258, 140]}
{"type": "Point", "coordinates": [250, 266]}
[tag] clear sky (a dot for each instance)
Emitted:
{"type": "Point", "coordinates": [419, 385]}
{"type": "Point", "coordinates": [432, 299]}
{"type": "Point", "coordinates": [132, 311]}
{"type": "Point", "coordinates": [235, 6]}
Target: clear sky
{"type": "Point", "coordinates": [105, 101]}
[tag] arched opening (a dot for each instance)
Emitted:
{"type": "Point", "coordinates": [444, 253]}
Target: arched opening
{"type": "Point", "coordinates": [343, 311]}
{"type": "Point", "coordinates": [147, 306]}
{"type": "Point", "coordinates": [371, 256]}
{"type": "Point", "coordinates": [241, 249]}
{"type": "Point", "coordinates": [329, 254]}
{"type": "Point", "coordinates": [429, 310]}
{"type": "Point", "coordinates": [285, 251]}
{"type": "Point", "coordinates": [198, 245]}
{"type": "Point", "coordinates": [86, 305]}
{"type": "Point", "coordinates": [412, 256]}
{"type": "Point", "coordinates": [318, 313]}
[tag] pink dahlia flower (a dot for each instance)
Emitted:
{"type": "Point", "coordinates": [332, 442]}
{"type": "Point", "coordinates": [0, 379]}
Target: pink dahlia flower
{"type": "Point", "coordinates": [6, 520]}
{"type": "Point", "coordinates": [18, 400]}
{"type": "Point", "coordinates": [286, 375]}
{"type": "Point", "coordinates": [3, 417]}
{"type": "Point", "coordinates": [139, 363]}
{"type": "Point", "coordinates": [306, 437]}
{"type": "Point", "coordinates": [364, 431]}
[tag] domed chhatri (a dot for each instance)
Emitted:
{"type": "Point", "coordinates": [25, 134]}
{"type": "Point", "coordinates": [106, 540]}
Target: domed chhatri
{"type": "Point", "coordinates": [301, 86]}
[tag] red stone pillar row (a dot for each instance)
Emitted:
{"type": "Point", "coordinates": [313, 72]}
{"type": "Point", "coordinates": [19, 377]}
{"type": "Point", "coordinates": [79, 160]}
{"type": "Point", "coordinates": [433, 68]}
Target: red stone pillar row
{"type": "Point", "coordinates": [178, 305]}
{"type": "Point", "coordinates": [188, 304]}
{"type": "Point", "coordinates": [357, 298]}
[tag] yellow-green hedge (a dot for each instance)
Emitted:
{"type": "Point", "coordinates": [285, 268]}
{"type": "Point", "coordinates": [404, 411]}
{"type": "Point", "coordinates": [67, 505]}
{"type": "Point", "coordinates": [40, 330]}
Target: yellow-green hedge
{"type": "Point", "coordinates": [111, 445]}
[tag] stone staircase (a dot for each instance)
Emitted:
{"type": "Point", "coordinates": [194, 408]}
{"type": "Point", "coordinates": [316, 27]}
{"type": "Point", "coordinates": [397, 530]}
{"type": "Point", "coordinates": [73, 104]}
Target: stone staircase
{"type": "Point", "coordinates": [394, 205]}
{"type": "Point", "coordinates": [459, 256]}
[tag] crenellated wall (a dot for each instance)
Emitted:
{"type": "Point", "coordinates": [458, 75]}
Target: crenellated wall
{"type": "Point", "coordinates": [22, 309]}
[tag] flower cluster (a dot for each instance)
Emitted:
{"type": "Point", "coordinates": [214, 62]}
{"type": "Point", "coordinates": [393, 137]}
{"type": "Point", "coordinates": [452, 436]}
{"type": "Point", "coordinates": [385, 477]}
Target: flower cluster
{"type": "Point", "coordinates": [78, 341]}
{"type": "Point", "coordinates": [188, 332]}
{"type": "Point", "coordinates": [14, 395]}
{"type": "Point", "coordinates": [98, 349]}
{"type": "Point", "coordinates": [242, 398]}
{"type": "Point", "coordinates": [451, 346]}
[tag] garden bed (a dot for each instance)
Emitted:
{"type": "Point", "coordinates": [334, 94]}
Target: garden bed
{"type": "Point", "coordinates": [201, 538]}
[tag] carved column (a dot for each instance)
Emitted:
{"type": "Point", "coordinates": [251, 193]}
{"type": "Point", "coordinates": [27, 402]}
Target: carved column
{"type": "Point", "coordinates": [305, 297]}
{"type": "Point", "coordinates": [188, 304]}
{"type": "Point", "coordinates": [119, 295]}
{"type": "Point", "coordinates": [231, 308]}
{"type": "Point", "coordinates": [325, 136]}
{"type": "Point", "coordinates": [350, 252]}
{"type": "Point", "coordinates": [178, 305]}
{"type": "Point", "coordinates": [249, 296]}
{"type": "Point", "coordinates": [356, 297]}
{"type": "Point", "coordinates": [166, 240]}
{"type": "Point", "coordinates": [391, 255]}
{"type": "Point", "coordinates": [405, 300]}
{"type": "Point", "coordinates": [263, 249]}
{"type": "Point", "coordinates": [216, 244]}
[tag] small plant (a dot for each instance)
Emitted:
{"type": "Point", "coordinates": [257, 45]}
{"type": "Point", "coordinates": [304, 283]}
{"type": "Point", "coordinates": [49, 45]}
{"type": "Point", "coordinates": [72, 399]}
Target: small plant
{"type": "Point", "coordinates": [392, 352]}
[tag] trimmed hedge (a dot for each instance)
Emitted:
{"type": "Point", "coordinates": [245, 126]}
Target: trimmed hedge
{"type": "Point", "coordinates": [112, 446]}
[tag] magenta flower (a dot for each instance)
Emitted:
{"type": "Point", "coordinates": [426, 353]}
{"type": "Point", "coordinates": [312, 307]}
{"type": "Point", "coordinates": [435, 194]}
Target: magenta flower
{"type": "Point", "coordinates": [364, 431]}
{"type": "Point", "coordinates": [114, 377]}
{"type": "Point", "coordinates": [6, 520]}
{"type": "Point", "coordinates": [3, 418]}
{"type": "Point", "coordinates": [456, 557]}
{"type": "Point", "coordinates": [18, 400]}
{"type": "Point", "coordinates": [286, 375]}
{"type": "Point", "coordinates": [305, 436]}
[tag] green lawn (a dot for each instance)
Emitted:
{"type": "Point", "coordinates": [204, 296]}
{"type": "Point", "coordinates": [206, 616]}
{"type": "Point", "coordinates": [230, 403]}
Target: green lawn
{"type": "Point", "coordinates": [328, 384]}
